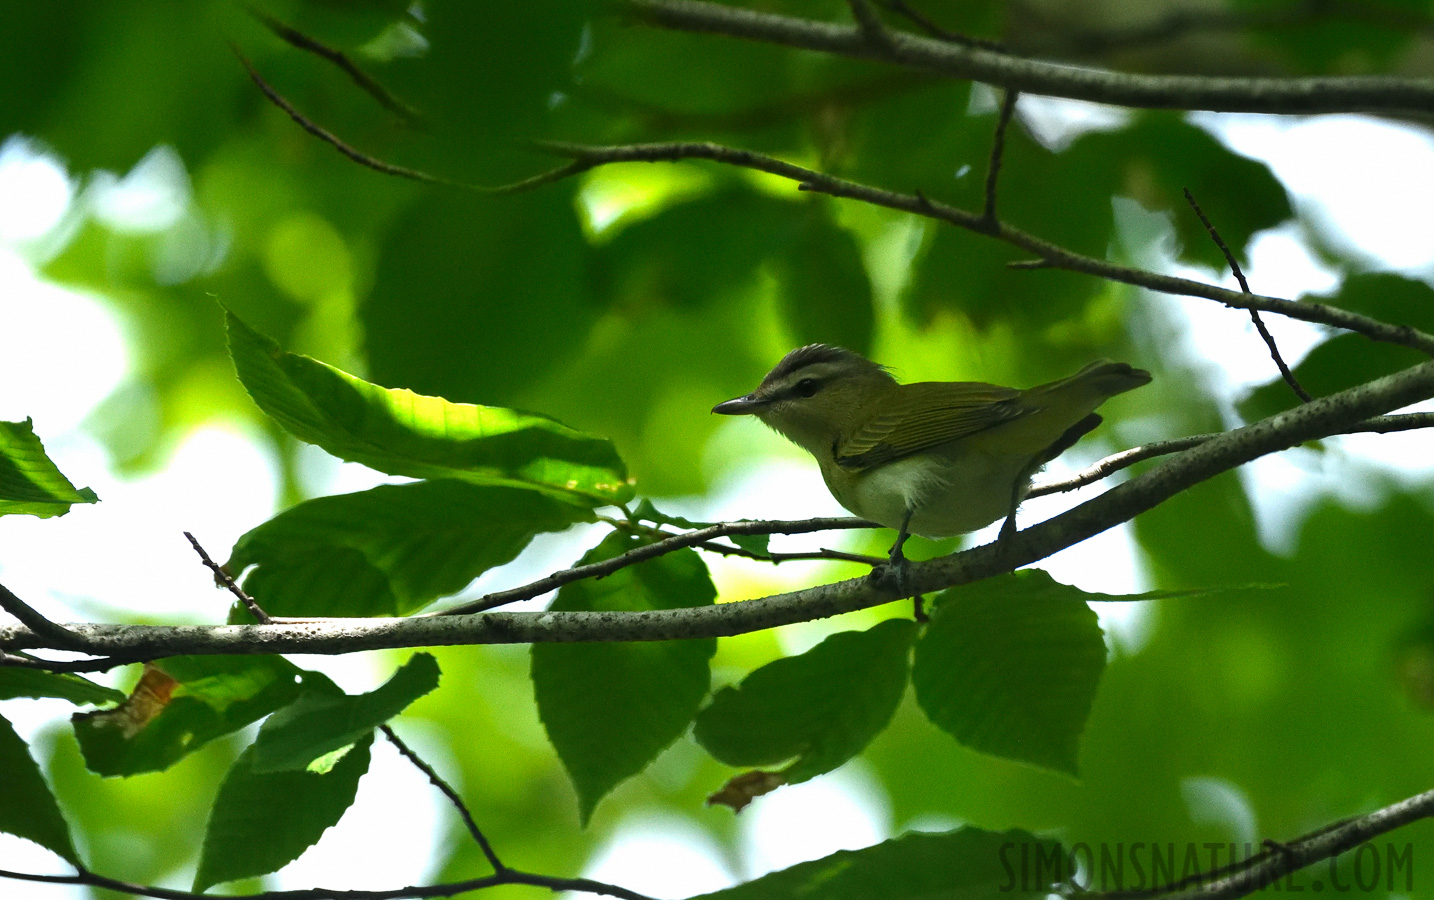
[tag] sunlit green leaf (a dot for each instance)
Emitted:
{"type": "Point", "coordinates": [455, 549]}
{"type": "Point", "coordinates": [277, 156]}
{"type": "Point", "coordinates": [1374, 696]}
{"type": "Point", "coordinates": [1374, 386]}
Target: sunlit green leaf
{"type": "Point", "coordinates": [27, 808]}
{"type": "Point", "coordinates": [181, 704]}
{"type": "Point", "coordinates": [818, 709]}
{"type": "Point", "coordinates": [1009, 666]}
{"type": "Point", "coordinates": [404, 433]}
{"type": "Point", "coordinates": [968, 863]}
{"type": "Point", "coordinates": [262, 821]}
{"type": "Point", "coordinates": [610, 708]}
{"type": "Point", "coordinates": [320, 722]}
{"type": "Point", "coordinates": [30, 484]}
{"type": "Point", "coordinates": [392, 549]}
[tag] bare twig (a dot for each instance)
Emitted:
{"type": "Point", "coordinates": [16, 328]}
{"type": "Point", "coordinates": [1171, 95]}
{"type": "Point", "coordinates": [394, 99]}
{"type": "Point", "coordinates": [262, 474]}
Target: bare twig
{"type": "Point", "coordinates": [586, 156]}
{"type": "Point", "coordinates": [927, 24]}
{"type": "Point", "coordinates": [1269, 339]}
{"type": "Point", "coordinates": [650, 551]}
{"type": "Point", "coordinates": [58, 636]}
{"type": "Point", "coordinates": [334, 141]}
{"type": "Point", "coordinates": [224, 578]}
{"type": "Point", "coordinates": [86, 878]}
{"type": "Point", "coordinates": [1127, 458]}
{"type": "Point", "coordinates": [1281, 858]}
{"type": "Point", "coordinates": [366, 82]}
{"type": "Point", "coordinates": [27, 661]}
{"type": "Point", "coordinates": [872, 28]}
{"type": "Point", "coordinates": [1289, 96]}
{"type": "Point", "coordinates": [998, 148]}
{"type": "Point", "coordinates": [447, 791]}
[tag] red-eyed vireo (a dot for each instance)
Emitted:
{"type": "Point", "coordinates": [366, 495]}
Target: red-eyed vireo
{"type": "Point", "coordinates": [935, 458]}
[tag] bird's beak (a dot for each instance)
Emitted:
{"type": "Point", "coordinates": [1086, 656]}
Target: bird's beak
{"type": "Point", "coordinates": [740, 406]}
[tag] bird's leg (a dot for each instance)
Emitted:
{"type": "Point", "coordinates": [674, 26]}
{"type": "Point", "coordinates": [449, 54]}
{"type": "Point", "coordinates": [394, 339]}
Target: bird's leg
{"type": "Point", "coordinates": [898, 565]}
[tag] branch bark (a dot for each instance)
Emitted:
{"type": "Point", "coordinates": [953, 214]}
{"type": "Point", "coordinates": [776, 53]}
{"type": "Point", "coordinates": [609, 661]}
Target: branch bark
{"type": "Point", "coordinates": [1384, 94]}
{"type": "Point", "coordinates": [1320, 418]}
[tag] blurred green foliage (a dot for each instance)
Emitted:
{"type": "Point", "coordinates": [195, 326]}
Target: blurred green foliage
{"type": "Point", "coordinates": [624, 303]}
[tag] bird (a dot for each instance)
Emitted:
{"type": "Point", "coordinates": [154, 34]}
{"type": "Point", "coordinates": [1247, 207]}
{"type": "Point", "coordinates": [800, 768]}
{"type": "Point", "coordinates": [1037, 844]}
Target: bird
{"type": "Point", "coordinates": [934, 458]}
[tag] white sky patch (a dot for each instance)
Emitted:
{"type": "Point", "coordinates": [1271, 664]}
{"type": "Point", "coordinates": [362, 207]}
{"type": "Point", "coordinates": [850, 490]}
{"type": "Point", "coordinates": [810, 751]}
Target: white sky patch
{"type": "Point", "coordinates": [389, 837]}
{"type": "Point", "coordinates": [1218, 801]}
{"type": "Point", "coordinates": [1368, 182]}
{"type": "Point", "coordinates": [1054, 122]}
{"type": "Point", "coordinates": [128, 551]}
{"type": "Point", "coordinates": [843, 810]}
{"type": "Point", "coordinates": [153, 196]}
{"type": "Point", "coordinates": [35, 191]}
{"type": "Point", "coordinates": [662, 856]}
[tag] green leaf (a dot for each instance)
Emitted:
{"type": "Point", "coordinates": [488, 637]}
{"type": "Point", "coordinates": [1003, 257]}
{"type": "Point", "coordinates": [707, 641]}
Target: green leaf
{"type": "Point", "coordinates": [262, 821]}
{"type": "Point", "coordinates": [15, 682]}
{"type": "Point", "coordinates": [30, 484]}
{"type": "Point", "coordinates": [1009, 666]}
{"type": "Point", "coordinates": [403, 433]}
{"type": "Point", "coordinates": [27, 808]}
{"type": "Point", "coordinates": [610, 708]}
{"type": "Point", "coordinates": [827, 296]}
{"type": "Point", "coordinates": [182, 703]}
{"type": "Point", "coordinates": [392, 549]}
{"type": "Point", "coordinates": [966, 864]}
{"type": "Point", "coordinates": [822, 707]}
{"type": "Point", "coordinates": [319, 722]}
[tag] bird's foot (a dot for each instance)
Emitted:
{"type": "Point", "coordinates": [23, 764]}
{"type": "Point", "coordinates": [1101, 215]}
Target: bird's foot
{"type": "Point", "coordinates": [895, 573]}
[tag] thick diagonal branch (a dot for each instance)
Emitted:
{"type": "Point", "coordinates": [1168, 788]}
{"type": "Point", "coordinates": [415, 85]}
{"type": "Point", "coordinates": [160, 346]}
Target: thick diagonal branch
{"type": "Point", "coordinates": [1322, 417]}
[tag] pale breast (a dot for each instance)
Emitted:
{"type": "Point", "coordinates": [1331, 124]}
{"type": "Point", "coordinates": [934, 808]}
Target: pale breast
{"type": "Point", "coordinates": [950, 495]}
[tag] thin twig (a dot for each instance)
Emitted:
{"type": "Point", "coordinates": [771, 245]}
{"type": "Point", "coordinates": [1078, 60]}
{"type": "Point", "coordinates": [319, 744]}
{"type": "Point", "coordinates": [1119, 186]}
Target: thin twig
{"type": "Point", "coordinates": [1282, 858]}
{"type": "Point", "coordinates": [649, 551]}
{"type": "Point", "coordinates": [61, 638]}
{"type": "Point", "coordinates": [27, 661]}
{"type": "Point", "coordinates": [998, 148]}
{"type": "Point", "coordinates": [869, 22]}
{"type": "Point", "coordinates": [1052, 255]}
{"type": "Point", "coordinates": [1269, 339]}
{"type": "Point", "coordinates": [1127, 458]}
{"type": "Point", "coordinates": [334, 141]}
{"type": "Point", "coordinates": [824, 554]}
{"type": "Point", "coordinates": [224, 578]}
{"type": "Point", "coordinates": [86, 878]}
{"type": "Point", "coordinates": [927, 24]}
{"type": "Point", "coordinates": [453, 798]}
{"type": "Point", "coordinates": [366, 82]}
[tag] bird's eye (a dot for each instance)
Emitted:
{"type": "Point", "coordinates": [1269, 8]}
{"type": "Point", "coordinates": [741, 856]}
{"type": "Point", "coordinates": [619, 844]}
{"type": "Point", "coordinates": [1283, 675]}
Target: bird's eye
{"type": "Point", "coordinates": [807, 387]}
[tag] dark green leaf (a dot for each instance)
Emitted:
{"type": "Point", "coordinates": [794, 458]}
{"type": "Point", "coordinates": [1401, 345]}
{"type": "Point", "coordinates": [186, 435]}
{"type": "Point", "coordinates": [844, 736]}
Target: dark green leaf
{"type": "Point", "coordinates": [826, 292]}
{"type": "Point", "coordinates": [1010, 665]}
{"type": "Point", "coordinates": [404, 433]}
{"type": "Point", "coordinates": [392, 549]}
{"type": "Point", "coordinates": [262, 821]}
{"type": "Point", "coordinates": [320, 722]}
{"type": "Point", "coordinates": [16, 682]}
{"type": "Point", "coordinates": [610, 708]}
{"type": "Point", "coordinates": [29, 483]}
{"type": "Point", "coordinates": [181, 704]}
{"type": "Point", "coordinates": [27, 808]}
{"type": "Point", "coordinates": [966, 864]}
{"type": "Point", "coordinates": [821, 708]}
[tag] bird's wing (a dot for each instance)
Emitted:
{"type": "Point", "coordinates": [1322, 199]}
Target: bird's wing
{"type": "Point", "coordinates": [920, 416]}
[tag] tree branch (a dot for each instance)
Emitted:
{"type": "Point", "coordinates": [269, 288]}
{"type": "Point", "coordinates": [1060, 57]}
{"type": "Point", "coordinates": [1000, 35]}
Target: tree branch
{"type": "Point", "coordinates": [1386, 94]}
{"type": "Point", "coordinates": [1320, 418]}
{"type": "Point", "coordinates": [588, 156]}
{"type": "Point", "coordinates": [1267, 868]}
